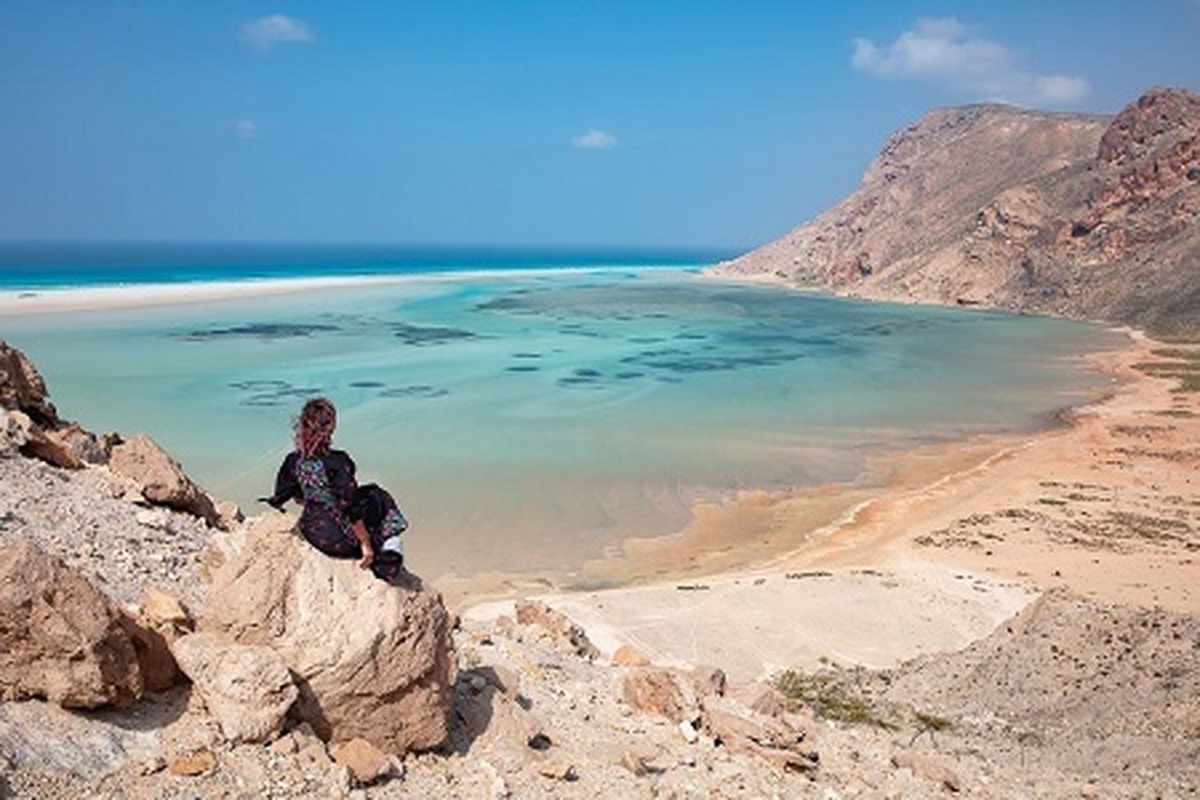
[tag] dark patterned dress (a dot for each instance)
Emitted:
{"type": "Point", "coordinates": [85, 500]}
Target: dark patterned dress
{"type": "Point", "coordinates": [333, 501]}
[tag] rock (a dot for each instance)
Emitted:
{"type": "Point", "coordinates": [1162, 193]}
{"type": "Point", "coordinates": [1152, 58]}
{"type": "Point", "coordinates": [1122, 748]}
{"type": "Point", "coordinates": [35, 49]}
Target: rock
{"type": "Point", "coordinates": [164, 610]}
{"type": "Point", "coordinates": [928, 768]}
{"type": "Point", "coordinates": [154, 627]}
{"type": "Point", "coordinates": [493, 716]}
{"type": "Point", "coordinates": [770, 702]}
{"type": "Point", "coordinates": [229, 514]}
{"type": "Point", "coordinates": [744, 730]}
{"type": "Point", "coordinates": [191, 765]}
{"type": "Point", "coordinates": [709, 680]}
{"type": "Point", "coordinates": [161, 478]}
{"type": "Point", "coordinates": [40, 432]}
{"type": "Point", "coordinates": [82, 444]}
{"type": "Point", "coordinates": [37, 443]}
{"type": "Point", "coordinates": [636, 765]}
{"type": "Point", "coordinates": [567, 636]}
{"type": "Point", "coordinates": [558, 770]}
{"type": "Point", "coordinates": [627, 656]}
{"type": "Point", "coordinates": [661, 691]}
{"type": "Point", "coordinates": [366, 762]}
{"type": "Point", "coordinates": [688, 731]}
{"type": "Point", "coordinates": [12, 434]}
{"type": "Point", "coordinates": [23, 389]}
{"type": "Point", "coordinates": [157, 665]}
{"type": "Point", "coordinates": [246, 688]}
{"type": "Point", "coordinates": [61, 638]}
{"type": "Point", "coordinates": [371, 661]}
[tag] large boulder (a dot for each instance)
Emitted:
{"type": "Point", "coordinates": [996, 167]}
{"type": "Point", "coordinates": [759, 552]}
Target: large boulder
{"type": "Point", "coordinates": [61, 638]}
{"type": "Point", "coordinates": [246, 688]}
{"type": "Point", "coordinates": [161, 478]}
{"type": "Point", "coordinates": [371, 660]}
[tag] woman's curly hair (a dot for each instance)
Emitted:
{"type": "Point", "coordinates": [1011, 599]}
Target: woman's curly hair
{"type": "Point", "coordinates": [314, 427]}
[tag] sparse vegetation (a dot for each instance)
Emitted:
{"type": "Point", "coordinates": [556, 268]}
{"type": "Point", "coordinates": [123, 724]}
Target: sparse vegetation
{"type": "Point", "coordinates": [830, 698]}
{"type": "Point", "coordinates": [1181, 364]}
{"type": "Point", "coordinates": [929, 724]}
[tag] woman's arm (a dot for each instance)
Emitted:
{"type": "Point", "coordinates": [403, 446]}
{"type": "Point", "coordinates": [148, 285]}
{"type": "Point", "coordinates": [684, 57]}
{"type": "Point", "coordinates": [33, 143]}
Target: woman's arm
{"type": "Point", "coordinates": [287, 487]}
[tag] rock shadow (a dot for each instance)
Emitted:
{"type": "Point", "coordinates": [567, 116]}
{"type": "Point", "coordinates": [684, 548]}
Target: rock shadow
{"type": "Point", "coordinates": [483, 702]}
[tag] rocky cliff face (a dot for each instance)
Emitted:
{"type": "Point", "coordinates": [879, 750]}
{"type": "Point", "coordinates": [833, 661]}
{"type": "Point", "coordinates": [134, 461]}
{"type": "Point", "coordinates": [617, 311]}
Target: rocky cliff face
{"type": "Point", "coordinates": [1081, 216]}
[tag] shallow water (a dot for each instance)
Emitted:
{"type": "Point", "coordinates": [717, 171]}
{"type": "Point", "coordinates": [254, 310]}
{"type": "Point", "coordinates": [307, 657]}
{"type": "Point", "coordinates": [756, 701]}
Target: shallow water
{"type": "Point", "coordinates": [529, 421]}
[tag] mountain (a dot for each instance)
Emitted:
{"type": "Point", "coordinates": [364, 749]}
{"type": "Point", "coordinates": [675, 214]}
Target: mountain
{"type": "Point", "coordinates": [1080, 216]}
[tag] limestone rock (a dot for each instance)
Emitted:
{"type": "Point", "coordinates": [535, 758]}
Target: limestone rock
{"type": "Point", "coordinates": [12, 434]}
{"type": "Point", "coordinates": [191, 765]}
{"type": "Point", "coordinates": [41, 444]}
{"type": "Point", "coordinates": [929, 768]}
{"type": "Point", "coordinates": [23, 389]}
{"type": "Point", "coordinates": [628, 656]}
{"type": "Point", "coordinates": [566, 635]}
{"type": "Point", "coordinates": [661, 691]}
{"type": "Point", "coordinates": [82, 444]}
{"type": "Point", "coordinates": [366, 762]}
{"type": "Point", "coordinates": [490, 713]}
{"type": "Point", "coordinates": [163, 610]}
{"type": "Point", "coordinates": [246, 688]}
{"type": "Point", "coordinates": [33, 424]}
{"type": "Point", "coordinates": [154, 627]}
{"type": "Point", "coordinates": [61, 638]}
{"type": "Point", "coordinates": [744, 730]}
{"type": "Point", "coordinates": [371, 660]}
{"type": "Point", "coordinates": [161, 478]}
{"type": "Point", "coordinates": [709, 680]}
{"type": "Point", "coordinates": [157, 665]}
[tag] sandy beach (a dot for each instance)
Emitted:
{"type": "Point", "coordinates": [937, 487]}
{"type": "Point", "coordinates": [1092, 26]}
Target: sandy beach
{"type": "Point", "coordinates": [931, 552]}
{"type": "Point", "coordinates": [127, 296]}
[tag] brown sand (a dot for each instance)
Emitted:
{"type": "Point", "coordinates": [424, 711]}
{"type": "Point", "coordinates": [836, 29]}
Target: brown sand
{"type": "Point", "coordinates": [931, 551]}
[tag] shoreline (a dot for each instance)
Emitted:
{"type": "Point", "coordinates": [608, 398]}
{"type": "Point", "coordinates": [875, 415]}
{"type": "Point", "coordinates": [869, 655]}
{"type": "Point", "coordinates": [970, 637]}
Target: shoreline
{"type": "Point", "coordinates": [874, 573]}
{"type": "Point", "coordinates": [114, 297]}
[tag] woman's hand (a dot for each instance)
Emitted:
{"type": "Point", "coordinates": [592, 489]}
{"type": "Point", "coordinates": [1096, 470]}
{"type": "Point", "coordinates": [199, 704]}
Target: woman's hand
{"type": "Point", "coordinates": [368, 557]}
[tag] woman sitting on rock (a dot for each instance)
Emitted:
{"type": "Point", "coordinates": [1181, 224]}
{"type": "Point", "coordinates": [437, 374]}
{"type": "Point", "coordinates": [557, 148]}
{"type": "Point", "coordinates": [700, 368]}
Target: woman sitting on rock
{"type": "Point", "coordinates": [340, 518]}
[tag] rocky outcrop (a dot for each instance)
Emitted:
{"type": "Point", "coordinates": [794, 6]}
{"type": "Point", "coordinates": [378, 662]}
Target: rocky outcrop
{"type": "Point", "coordinates": [31, 423]}
{"type": "Point", "coordinates": [370, 660]}
{"type": "Point", "coordinates": [61, 638]}
{"type": "Point", "coordinates": [162, 479]}
{"type": "Point", "coordinates": [23, 389]}
{"type": "Point", "coordinates": [1082, 216]}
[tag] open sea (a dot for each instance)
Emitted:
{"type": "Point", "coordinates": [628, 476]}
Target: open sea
{"type": "Point", "coordinates": [528, 409]}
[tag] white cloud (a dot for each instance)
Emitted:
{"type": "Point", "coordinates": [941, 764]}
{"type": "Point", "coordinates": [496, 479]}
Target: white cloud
{"type": "Point", "coordinates": [246, 129]}
{"type": "Point", "coordinates": [595, 139]}
{"type": "Point", "coordinates": [951, 52]}
{"type": "Point", "coordinates": [266, 32]}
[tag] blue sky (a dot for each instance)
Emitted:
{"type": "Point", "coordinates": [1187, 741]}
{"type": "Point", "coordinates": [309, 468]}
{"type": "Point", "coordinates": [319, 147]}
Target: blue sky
{"type": "Point", "coordinates": [545, 122]}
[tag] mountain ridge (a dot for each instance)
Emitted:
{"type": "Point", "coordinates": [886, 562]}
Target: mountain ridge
{"type": "Point", "coordinates": [1082, 216]}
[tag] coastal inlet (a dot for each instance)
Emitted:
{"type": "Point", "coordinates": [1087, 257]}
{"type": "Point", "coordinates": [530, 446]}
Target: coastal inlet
{"type": "Point", "coordinates": [530, 421]}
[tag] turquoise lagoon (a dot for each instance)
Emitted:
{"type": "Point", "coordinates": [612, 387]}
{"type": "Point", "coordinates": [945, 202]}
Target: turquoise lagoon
{"type": "Point", "coordinates": [529, 420]}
